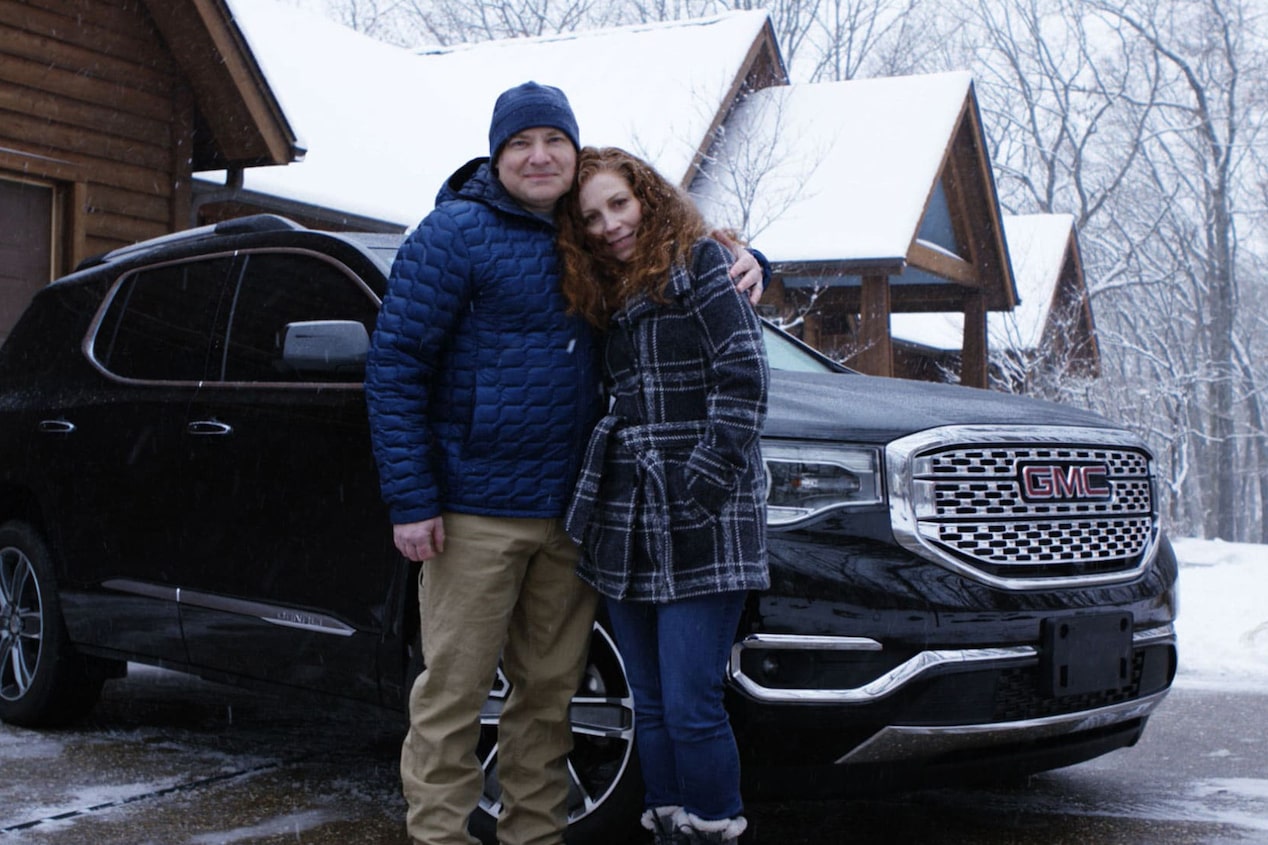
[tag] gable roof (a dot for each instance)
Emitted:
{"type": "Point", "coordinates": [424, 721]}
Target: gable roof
{"type": "Point", "coordinates": [851, 178]}
{"type": "Point", "coordinates": [385, 126]}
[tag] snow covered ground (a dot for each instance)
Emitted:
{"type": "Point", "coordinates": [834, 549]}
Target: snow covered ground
{"type": "Point", "coordinates": [1223, 624]}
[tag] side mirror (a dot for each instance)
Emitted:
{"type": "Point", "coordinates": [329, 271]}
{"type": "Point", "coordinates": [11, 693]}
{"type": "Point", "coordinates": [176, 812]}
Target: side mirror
{"type": "Point", "coordinates": [318, 346]}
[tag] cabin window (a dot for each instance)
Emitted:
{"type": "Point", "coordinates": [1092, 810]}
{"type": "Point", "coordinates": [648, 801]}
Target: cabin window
{"type": "Point", "coordinates": [937, 228]}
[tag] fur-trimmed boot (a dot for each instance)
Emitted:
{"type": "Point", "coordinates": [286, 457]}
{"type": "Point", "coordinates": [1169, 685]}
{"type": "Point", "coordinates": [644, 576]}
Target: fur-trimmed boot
{"type": "Point", "coordinates": [661, 822]}
{"type": "Point", "coordinates": [700, 831]}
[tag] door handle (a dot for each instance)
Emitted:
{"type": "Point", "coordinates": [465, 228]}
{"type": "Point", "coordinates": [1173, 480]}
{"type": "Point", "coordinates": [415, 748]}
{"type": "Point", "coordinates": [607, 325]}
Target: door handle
{"type": "Point", "coordinates": [56, 426]}
{"type": "Point", "coordinates": [206, 428]}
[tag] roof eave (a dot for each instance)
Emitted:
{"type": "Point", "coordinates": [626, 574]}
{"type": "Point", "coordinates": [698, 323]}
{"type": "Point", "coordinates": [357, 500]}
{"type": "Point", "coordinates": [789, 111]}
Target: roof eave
{"type": "Point", "coordinates": [238, 107]}
{"type": "Point", "coordinates": [763, 65]}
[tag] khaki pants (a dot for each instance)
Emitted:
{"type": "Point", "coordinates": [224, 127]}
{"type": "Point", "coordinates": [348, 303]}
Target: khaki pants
{"type": "Point", "coordinates": [503, 588]}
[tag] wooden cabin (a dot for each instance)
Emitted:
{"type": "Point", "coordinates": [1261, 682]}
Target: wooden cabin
{"type": "Point", "coordinates": [106, 111]}
{"type": "Point", "coordinates": [877, 198]}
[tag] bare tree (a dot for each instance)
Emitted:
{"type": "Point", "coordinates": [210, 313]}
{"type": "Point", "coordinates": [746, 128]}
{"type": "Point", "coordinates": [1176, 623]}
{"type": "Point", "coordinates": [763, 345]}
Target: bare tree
{"type": "Point", "coordinates": [461, 21]}
{"type": "Point", "coordinates": [1207, 106]}
{"type": "Point", "coordinates": [758, 165]}
{"type": "Point", "coordinates": [846, 38]}
{"type": "Point", "coordinates": [391, 21]}
{"type": "Point", "coordinates": [1138, 117]}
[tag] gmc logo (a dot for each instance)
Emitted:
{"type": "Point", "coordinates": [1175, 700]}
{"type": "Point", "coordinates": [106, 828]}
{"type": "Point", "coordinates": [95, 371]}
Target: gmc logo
{"type": "Point", "coordinates": [1066, 482]}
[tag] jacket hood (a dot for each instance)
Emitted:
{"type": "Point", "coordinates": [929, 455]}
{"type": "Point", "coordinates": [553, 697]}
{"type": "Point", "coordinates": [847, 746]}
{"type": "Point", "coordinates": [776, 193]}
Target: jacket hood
{"type": "Point", "coordinates": [476, 182]}
{"type": "Point", "coordinates": [861, 408]}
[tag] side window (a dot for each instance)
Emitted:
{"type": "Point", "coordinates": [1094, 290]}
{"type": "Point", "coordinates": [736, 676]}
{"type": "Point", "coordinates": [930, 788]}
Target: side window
{"type": "Point", "coordinates": [159, 325]}
{"type": "Point", "coordinates": [281, 288]}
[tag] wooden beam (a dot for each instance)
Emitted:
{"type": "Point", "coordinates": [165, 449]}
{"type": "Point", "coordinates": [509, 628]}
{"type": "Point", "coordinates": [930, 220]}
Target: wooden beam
{"type": "Point", "coordinates": [877, 355]}
{"type": "Point", "coordinates": [182, 148]}
{"type": "Point", "coordinates": [973, 358]}
{"type": "Point", "coordinates": [232, 93]}
{"type": "Point", "coordinates": [986, 226]}
{"type": "Point", "coordinates": [942, 264]}
{"type": "Point", "coordinates": [904, 299]}
{"type": "Point", "coordinates": [74, 227]}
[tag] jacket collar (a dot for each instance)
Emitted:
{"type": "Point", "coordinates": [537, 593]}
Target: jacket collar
{"type": "Point", "coordinates": [476, 182]}
{"type": "Point", "coordinates": [678, 288]}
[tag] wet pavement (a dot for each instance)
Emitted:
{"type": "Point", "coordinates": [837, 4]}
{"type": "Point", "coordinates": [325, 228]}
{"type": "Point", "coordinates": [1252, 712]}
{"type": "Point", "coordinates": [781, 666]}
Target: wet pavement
{"type": "Point", "coordinates": [170, 760]}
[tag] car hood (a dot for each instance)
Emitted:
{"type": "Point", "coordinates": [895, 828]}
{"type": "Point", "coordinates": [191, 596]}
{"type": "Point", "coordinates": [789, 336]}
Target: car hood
{"type": "Point", "coordinates": [861, 408]}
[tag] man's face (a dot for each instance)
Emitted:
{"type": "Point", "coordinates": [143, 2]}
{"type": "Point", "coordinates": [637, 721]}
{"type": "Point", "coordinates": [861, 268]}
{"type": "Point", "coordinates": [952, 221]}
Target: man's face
{"type": "Point", "coordinates": [537, 166]}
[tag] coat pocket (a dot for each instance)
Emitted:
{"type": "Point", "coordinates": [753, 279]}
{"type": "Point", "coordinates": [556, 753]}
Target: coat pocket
{"type": "Point", "coordinates": [686, 511]}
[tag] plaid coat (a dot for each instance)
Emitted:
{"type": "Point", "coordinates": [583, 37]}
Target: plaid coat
{"type": "Point", "coordinates": [671, 500]}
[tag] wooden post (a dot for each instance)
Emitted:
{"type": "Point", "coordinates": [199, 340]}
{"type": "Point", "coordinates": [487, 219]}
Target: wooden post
{"type": "Point", "coordinates": [973, 358]}
{"type": "Point", "coordinates": [877, 357]}
{"type": "Point", "coordinates": [810, 330]}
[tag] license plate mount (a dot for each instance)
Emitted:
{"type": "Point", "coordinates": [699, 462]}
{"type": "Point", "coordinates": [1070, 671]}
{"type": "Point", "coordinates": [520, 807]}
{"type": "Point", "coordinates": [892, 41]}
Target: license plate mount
{"type": "Point", "coordinates": [1084, 654]}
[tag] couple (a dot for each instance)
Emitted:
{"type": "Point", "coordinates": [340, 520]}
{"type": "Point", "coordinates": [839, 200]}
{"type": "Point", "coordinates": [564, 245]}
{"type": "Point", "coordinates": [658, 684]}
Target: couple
{"type": "Point", "coordinates": [543, 272]}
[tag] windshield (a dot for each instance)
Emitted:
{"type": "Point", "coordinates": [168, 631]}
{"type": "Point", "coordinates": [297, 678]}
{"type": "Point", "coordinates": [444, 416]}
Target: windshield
{"type": "Point", "coordinates": [785, 353]}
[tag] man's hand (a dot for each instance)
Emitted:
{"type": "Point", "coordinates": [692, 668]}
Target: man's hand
{"type": "Point", "coordinates": [420, 541]}
{"type": "Point", "coordinates": [746, 270]}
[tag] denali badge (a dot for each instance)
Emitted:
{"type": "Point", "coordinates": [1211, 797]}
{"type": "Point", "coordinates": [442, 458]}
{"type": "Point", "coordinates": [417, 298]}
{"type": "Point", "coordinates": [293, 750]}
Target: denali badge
{"type": "Point", "coordinates": [1066, 482]}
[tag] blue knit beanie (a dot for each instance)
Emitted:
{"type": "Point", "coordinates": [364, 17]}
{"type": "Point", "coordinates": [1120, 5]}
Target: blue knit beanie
{"type": "Point", "coordinates": [526, 106]}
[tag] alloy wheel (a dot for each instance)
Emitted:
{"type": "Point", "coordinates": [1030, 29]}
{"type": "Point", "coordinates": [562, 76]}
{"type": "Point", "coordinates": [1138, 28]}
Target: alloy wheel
{"type": "Point", "coordinates": [602, 716]}
{"type": "Point", "coordinates": [21, 623]}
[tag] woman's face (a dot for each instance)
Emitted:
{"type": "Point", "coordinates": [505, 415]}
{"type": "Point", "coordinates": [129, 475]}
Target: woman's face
{"type": "Point", "coordinates": [611, 214]}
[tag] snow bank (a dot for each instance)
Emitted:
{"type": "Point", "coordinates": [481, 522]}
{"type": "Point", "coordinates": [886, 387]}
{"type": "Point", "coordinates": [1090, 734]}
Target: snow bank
{"type": "Point", "coordinates": [1223, 624]}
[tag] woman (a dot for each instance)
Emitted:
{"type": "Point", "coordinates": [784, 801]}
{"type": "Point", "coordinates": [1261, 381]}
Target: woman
{"type": "Point", "coordinates": [669, 509]}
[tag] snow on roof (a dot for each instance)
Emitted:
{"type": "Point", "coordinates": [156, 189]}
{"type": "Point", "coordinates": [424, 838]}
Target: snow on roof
{"type": "Point", "coordinates": [842, 170]}
{"type": "Point", "coordinates": [384, 126]}
{"type": "Point", "coordinates": [1037, 245]}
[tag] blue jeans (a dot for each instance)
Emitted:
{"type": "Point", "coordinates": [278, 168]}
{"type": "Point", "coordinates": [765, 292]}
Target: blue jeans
{"type": "Point", "coordinates": [675, 656]}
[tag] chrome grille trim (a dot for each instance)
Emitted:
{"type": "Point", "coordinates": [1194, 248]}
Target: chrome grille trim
{"type": "Point", "coordinates": [890, 682]}
{"type": "Point", "coordinates": [955, 496]}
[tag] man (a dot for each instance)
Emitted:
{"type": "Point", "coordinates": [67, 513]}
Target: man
{"type": "Point", "coordinates": [482, 391]}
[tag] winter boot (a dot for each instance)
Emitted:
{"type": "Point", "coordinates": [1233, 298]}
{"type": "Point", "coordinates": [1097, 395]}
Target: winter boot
{"type": "Point", "coordinates": [700, 831]}
{"type": "Point", "coordinates": [660, 821]}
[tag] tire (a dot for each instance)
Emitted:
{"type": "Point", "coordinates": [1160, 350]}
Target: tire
{"type": "Point", "coordinates": [606, 792]}
{"type": "Point", "coordinates": [43, 682]}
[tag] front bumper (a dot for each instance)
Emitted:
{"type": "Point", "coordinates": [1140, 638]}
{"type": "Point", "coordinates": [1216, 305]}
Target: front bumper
{"type": "Point", "coordinates": [892, 680]}
{"type": "Point", "coordinates": [900, 743]}
{"type": "Point", "coordinates": [936, 708]}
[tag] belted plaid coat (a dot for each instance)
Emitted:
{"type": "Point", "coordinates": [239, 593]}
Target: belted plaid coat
{"type": "Point", "coordinates": [671, 500]}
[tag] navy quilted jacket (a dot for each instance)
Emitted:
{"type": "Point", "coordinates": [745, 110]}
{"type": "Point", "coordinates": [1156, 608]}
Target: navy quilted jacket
{"type": "Point", "coordinates": [481, 390]}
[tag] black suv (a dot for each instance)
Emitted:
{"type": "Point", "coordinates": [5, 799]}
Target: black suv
{"type": "Point", "coordinates": [964, 583]}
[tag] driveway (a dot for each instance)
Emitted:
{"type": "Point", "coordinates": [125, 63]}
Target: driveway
{"type": "Point", "coordinates": [171, 760]}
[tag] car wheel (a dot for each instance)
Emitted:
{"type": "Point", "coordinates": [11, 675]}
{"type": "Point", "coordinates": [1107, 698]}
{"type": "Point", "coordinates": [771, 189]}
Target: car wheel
{"type": "Point", "coordinates": [606, 790]}
{"type": "Point", "coordinates": [42, 681]}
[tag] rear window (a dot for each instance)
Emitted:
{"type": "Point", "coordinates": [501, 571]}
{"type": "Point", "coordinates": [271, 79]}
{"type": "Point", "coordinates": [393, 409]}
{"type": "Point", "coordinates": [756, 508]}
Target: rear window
{"type": "Point", "coordinates": [161, 320]}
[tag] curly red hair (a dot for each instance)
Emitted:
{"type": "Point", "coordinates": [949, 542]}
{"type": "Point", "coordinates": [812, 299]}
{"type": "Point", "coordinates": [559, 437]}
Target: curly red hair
{"type": "Point", "coordinates": [595, 285]}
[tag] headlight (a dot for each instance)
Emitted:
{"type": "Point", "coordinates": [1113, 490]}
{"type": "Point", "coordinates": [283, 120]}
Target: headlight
{"type": "Point", "coordinates": [805, 480]}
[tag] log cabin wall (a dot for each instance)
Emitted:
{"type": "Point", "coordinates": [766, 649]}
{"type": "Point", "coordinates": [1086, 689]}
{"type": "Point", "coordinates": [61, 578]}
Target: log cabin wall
{"type": "Point", "coordinates": [93, 106]}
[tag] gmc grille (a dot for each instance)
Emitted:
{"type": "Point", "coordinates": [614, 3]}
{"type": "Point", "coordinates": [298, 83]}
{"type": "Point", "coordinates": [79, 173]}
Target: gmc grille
{"type": "Point", "coordinates": [1027, 507]}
